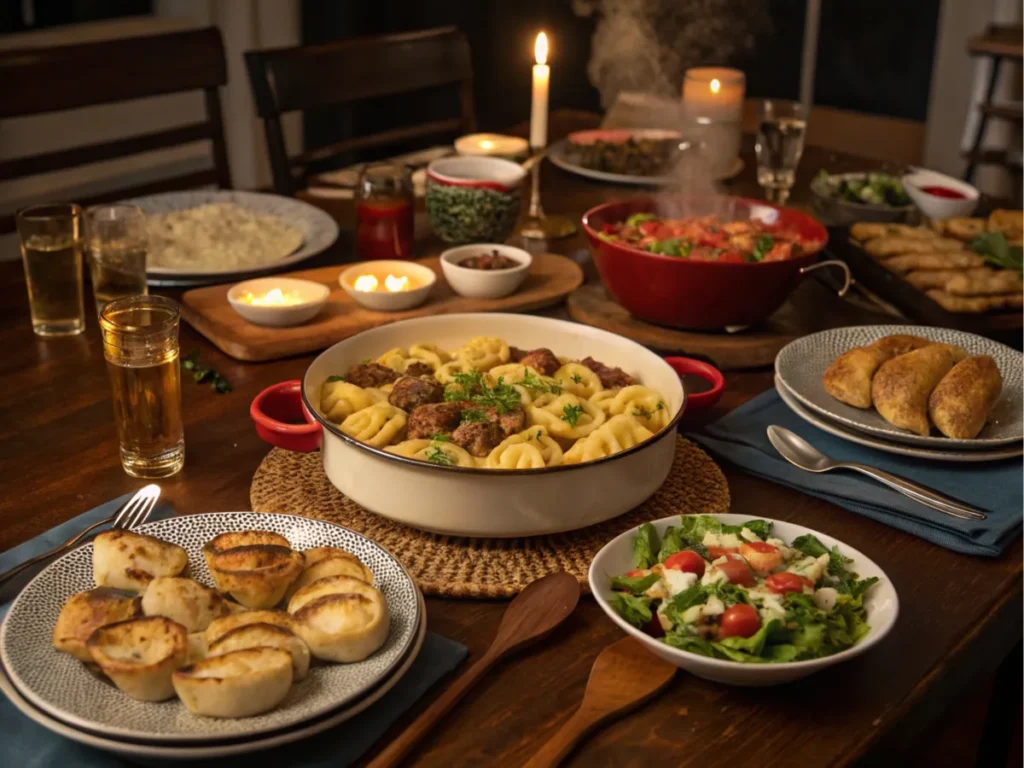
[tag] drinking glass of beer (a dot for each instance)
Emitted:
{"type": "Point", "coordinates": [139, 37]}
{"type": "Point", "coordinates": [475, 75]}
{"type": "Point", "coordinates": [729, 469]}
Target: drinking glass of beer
{"type": "Point", "coordinates": [140, 344]}
{"type": "Point", "coordinates": [51, 247]}
{"type": "Point", "coordinates": [115, 237]}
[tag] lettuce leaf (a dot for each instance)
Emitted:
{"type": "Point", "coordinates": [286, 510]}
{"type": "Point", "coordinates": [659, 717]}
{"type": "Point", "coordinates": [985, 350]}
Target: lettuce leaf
{"type": "Point", "coordinates": [671, 542]}
{"type": "Point", "coordinates": [754, 644]}
{"type": "Point", "coordinates": [746, 650]}
{"type": "Point", "coordinates": [693, 528]}
{"type": "Point", "coordinates": [636, 610]}
{"type": "Point", "coordinates": [645, 546]}
{"type": "Point", "coordinates": [635, 585]}
{"type": "Point", "coordinates": [682, 601]}
{"type": "Point", "coordinates": [761, 527]}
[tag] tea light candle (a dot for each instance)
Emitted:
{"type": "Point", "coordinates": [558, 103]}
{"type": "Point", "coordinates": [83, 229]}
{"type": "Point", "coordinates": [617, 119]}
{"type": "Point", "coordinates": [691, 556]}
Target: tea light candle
{"type": "Point", "coordinates": [491, 145]}
{"type": "Point", "coordinates": [541, 82]}
{"type": "Point", "coordinates": [714, 92]}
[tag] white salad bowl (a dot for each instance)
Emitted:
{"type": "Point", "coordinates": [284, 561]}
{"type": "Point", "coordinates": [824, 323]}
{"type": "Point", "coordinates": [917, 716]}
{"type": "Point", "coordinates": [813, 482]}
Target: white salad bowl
{"type": "Point", "coordinates": [468, 501]}
{"type": "Point", "coordinates": [484, 283]}
{"type": "Point", "coordinates": [881, 605]}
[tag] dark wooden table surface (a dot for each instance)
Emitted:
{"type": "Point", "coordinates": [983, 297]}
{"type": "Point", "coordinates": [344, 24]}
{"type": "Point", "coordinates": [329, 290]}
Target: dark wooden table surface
{"type": "Point", "coordinates": [960, 616]}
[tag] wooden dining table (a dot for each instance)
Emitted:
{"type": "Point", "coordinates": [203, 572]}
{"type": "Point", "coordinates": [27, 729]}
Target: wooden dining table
{"type": "Point", "coordinates": [944, 683]}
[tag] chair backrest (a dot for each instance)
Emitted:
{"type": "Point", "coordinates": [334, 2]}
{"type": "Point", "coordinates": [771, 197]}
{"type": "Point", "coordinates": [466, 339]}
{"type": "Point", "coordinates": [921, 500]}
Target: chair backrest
{"type": "Point", "coordinates": [309, 77]}
{"type": "Point", "coordinates": [895, 140]}
{"type": "Point", "coordinates": [39, 80]}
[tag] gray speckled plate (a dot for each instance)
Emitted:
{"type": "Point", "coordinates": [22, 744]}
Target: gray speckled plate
{"type": "Point", "coordinates": [861, 438]}
{"type": "Point", "coordinates": [319, 230]}
{"type": "Point", "coordinates": [60, 685]}
{"type": "Point", "coordinates": [802, 363]}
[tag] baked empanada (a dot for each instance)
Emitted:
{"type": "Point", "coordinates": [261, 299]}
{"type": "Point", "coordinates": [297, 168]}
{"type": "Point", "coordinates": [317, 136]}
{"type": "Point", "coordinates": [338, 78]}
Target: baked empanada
{"type": "Point", "coordinates": [848, 379]}
{"type": "Point", "coordinates": [901, 387]}
{"type": "Point", "coordinates": [961, 403]}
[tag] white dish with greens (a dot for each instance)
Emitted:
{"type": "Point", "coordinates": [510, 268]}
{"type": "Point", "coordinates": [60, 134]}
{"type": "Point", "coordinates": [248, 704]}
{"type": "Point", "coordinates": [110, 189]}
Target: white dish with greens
{"type": "Point", "coordinates": [743, 601]}
{"type": "Point", "coordinates": [842, 199]}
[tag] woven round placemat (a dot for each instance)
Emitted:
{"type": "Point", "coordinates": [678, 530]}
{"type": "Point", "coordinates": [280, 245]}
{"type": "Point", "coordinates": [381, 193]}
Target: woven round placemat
{"type": "Point", "coordinates": [295, 483]}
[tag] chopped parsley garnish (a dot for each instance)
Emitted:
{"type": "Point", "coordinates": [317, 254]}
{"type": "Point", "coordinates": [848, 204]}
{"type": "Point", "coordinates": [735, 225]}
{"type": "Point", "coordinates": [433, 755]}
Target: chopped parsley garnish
{"type": "Point", "coordinates": [571, 414]}
{"type": "Point", "coordinates": [576, 378]}
{"type": "Point", "coordinates": [540, 433]}
{"type": "Point", "coordinates": [201, 372]}
{"type": "Point", "coordinates": [534, 382]}
{"type": "Point", "coordinates": [643, 412]}
{"type": "Point", "coordinates": [473, 387]}
{"type": "Point", "coordinates": [435, 455]}
{"type": "Point", "coordinates": [762, 245]}
{"type": "Point", "coordinates": [441, 438]}
{"type": "Point", "coordinates": [471, 415]}
{"type": "Point", "coordinates": [335, 378]}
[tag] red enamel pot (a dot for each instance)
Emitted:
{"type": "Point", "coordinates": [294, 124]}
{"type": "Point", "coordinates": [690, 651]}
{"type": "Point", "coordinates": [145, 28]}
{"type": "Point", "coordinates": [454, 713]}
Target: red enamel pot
{"type": "Point", "coordinates": [677, 292]}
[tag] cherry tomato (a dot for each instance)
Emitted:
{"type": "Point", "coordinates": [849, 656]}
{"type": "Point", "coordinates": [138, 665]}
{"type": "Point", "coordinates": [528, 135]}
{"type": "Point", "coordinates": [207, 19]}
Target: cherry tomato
{"type": "Point", "coordinates": [717, 552]}
{"type": "Point", "coordinates": [784, 582]}
{"type": "Point", "coordinates": [730, 257]}
{"type": "Point", "coordinates": [686, 561]}
{"type": "Point", "coordinates": [737, 571]}
{"type": "Point", "coordinates": [635, 573]}
{"type": "Point", "coordinates": [649, 227]}
{"type": "Point", "coordinates": [739, 620]}
{"type": "Point", "coordinates": [763, 557]}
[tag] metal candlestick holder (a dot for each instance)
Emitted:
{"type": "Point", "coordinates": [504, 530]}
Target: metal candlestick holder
{"type": "Point", "coordinates": [538, 225]}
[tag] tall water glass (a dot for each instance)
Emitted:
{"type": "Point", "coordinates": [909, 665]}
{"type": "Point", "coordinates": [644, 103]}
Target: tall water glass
{"type": "Point", "coordinates": [781, 128]}
{"type": "Point", "coordinates": [116, 240]}
{"type": "Point", "coordinates": [51, 248]}
{"type": "Point", "coordinates": [140, 344]}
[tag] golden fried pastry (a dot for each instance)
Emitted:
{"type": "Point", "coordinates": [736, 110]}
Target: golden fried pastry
{"type": "Point", "coordinates": [848, 379]}
{"type": "Point", "coordinates": [236, 684]}
{"type": "Point", "coordinates": [265, 636]}
{"type": "Point", "coordinates": [185, 601]}
{"type": "Point", "coordinates": [340, 618]}
{"type": "Point", "coordinates": [220, 627]}
{"type": "Point", "coordinates": [86, 612]}
{"type": "Point", "coordinates": [901, 387]}
{"type": "Point", "coordinates": [869, 230]}
{"type": "Point", "coordinates": [994, 283]}
{"type": "Point", "coordinates": [887, 247]}
{"type": "Point", "coordinates": [140, 655]}
{"type": "Point", "coordinates": [128, 560]}
{"type": "Point", "coordinates": [974, 304]}
{"type": "Point", "coordinates": [233, 539]}
{"type": "Point", "coordinates": [1010, 223]}
{"type": "Point", "coordinates": [257, 575]}
{"type": "Point", "coordinates": [927, 279]}
{"type": "Point", "coordinates": [964, 228]}
{"type": "Point", "coordinates": [340, 564]}
{"type": "Point", "coordinates": [924, 261]}
{"type": "Point", "coordinates": [961, 403]}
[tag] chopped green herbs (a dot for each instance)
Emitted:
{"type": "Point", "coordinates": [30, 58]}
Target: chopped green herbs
{"type": "Point", "coordinates": [436, 455]}
{"type": "Point", "coordinates": [441, 438]}
{"type": "Point", "coordinates": [643, 413]}
{"type": "Point", "coordinates": [762, 246]}
{"type": "Point", "coordinates": [577, 378]}
{"type": "Point", "coordinates": [535, 383]}
{"type": "Point", "coordinates": [571, 414]}
{"type": "Point", "coordinates": [335, 378]}
{"type": "Point", "coordinates": [201, 372]}
{"type": "Point", "coordinates": [472, 416]}
{"type": "Point", "coordinates": [474, 388]}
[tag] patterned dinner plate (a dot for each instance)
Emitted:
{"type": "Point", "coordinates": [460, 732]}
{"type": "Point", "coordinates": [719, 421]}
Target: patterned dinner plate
{"type": "Point", "coordinates": [319, 230]}
{"type": "Point", "coordinates": [61, 686]}
{"type": "Point", "coordinates": [802, 363]}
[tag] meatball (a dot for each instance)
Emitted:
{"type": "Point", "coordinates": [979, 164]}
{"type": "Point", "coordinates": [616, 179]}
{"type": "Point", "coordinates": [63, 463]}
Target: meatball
{"type": "Point", "coordinates": [478, 437]}
{"type": "Point", "coordinates": [410, 392]}
{"type": "Point", "coordinates": [516, 355]}
{"type": "Point", "coordinates": [419, 369]}
{"type": "Point", "coordinates": [371, 375]}
{"type": "Point", "coordinates": [433, 419]}
{"type": "Point", "coordinates": [509, 423]}
{"type": "Point", "coordinates": [611, 378]}
{"type": "Point", "coordinates": [542, 360]}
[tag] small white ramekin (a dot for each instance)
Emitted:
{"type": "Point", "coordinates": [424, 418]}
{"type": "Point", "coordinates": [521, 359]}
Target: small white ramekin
{"type": "Point", "coordinates": [314, 297]}
{"type": "Point", "coordinates": [386, 301]}
{"type": "Point", "coordinates": [484, 283]}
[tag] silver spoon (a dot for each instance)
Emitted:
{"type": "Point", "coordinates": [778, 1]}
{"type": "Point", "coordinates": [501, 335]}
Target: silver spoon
{"type": "Point", "coordinates": [802, 454]}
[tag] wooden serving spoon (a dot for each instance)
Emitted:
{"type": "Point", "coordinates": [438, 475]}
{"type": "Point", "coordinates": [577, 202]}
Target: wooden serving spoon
{"type": "Point", "coordinates": [624, 676]}
{"type": "Point", "coordinates": [535, 612]}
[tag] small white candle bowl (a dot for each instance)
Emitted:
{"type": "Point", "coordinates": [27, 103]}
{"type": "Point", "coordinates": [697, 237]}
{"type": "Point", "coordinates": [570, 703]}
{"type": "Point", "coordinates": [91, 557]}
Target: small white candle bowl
{"type": "Point", "coordinates": [278, 302]}
{"type": "Point", "coordinates": [388, 286]}
{"type": "Point", "coordinates": [484, 283]}
{"type": "Point", "coordinates": [934, 206]}
{"type": "Point", "coordinates": [492, 145]}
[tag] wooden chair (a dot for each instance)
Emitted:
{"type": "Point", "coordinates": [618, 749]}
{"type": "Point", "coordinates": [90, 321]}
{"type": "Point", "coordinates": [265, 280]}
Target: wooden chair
{"type": "Point", "coordinates": [39, 80]}
{"type": "Point", "coordinates": [893, 140]}
{"type": "Point", "coordinates": [310, 77]}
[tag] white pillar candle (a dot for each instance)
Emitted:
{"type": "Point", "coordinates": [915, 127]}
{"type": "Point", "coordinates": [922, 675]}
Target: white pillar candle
{"type": "Point", "coordinates": [715, 92]}
{"type": "Point", "coordinates": [539, 107]}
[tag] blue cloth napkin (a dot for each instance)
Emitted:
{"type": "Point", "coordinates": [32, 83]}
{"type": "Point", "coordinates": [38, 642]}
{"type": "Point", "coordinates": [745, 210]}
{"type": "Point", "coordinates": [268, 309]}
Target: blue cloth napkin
{"type": "Point", "coordinates": [26, 744]}
{"type": "Point", "coordinates": [995, 487]}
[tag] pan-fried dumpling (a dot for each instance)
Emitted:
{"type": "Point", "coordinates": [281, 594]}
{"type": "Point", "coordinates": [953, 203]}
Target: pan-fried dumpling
{"type": "Point", "coordinates": [128, 560]}
{"type": "Point", "coordinates": [340, 618]}
{"type": "Point", "coordinates": [257, 576]}
{"type": "Point", "coordinates": [378, 425]}
{"type": "Point", "coordinates": [901, 388]}
{"type": "Point", "coordinates": [185, 601]}
{"type": "Point", "coordinates": [140, 655]}
{"type": "Point", "coordinates": [848, 379]}
{"type": "Point", "coordinates": [565, 415]}
{"type": "Point", "coordinates": [615, 435]}
{"type": "Point", "coordinates": [86, 612]}
{"type": "Point", "coordinates": [236, 684]}
{"type": "Point", "coordinates": [220, 627]}
{"type": "Point", "coordinates": [340, 399]}
{"type": "Point", "coordinates": [265, 636]}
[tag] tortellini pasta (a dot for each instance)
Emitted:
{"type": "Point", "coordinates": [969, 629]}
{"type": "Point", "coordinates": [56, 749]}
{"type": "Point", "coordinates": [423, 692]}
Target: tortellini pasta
{"type": "Point", "coordinates": [379, 425]}
{"type": "Point", "coordinates": [565, 415]}
{"type": "Point", "coordinates": [615, 435]}
{"type": "Point", "coordinates": [446, 373]}
{"type": "Point", "coordinates": [642, 403]}
{"type": "Point", "coordinates": [396, 359]}
{"type": "Point", "coordinates": [484, 352]}
{"type": "Point", "coordinates": [339, 399]}
{"type": "Point", "coordinates": [434, 451]}
{"type": "Point", "coordinates": [429, 353]}
{"type": "Point", "coordinates": [532, 448]}
{"type": "Point", "coordinates": [578, 379]}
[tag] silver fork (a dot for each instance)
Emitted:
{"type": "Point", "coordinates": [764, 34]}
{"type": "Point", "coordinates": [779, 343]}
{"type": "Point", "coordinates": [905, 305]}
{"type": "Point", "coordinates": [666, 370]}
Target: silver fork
{"type": "Point", "coordinates": [132, 513]}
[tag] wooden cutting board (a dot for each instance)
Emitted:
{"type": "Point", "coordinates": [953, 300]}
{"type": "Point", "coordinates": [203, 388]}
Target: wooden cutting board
{"type": "Point", "coordinates": [551, 279]}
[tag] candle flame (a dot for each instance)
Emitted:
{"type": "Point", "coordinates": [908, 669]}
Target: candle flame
{"type": "Point", "coordinates": [540, 49]}
{"type": "Point", "coordinates": [395, 284]}
{"type": "Point", "coordinates": [275, 297]}
{"type": "Point", "coordinates": [486, 144]}
{"type": "Point", "coordinates": [367, 283]}
{"type": "Point", "coordinates": [716, 85]}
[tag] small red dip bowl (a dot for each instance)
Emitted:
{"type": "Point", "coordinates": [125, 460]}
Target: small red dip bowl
{"type": "Point", "coordinates": [677, 292]}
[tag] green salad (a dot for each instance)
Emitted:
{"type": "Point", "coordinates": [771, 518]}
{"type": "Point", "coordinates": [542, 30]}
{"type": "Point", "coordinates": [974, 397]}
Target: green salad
{"type": "Point", "coordinates": [736, 592]}
{"type": "Point", "coordinates": [866, 189]}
